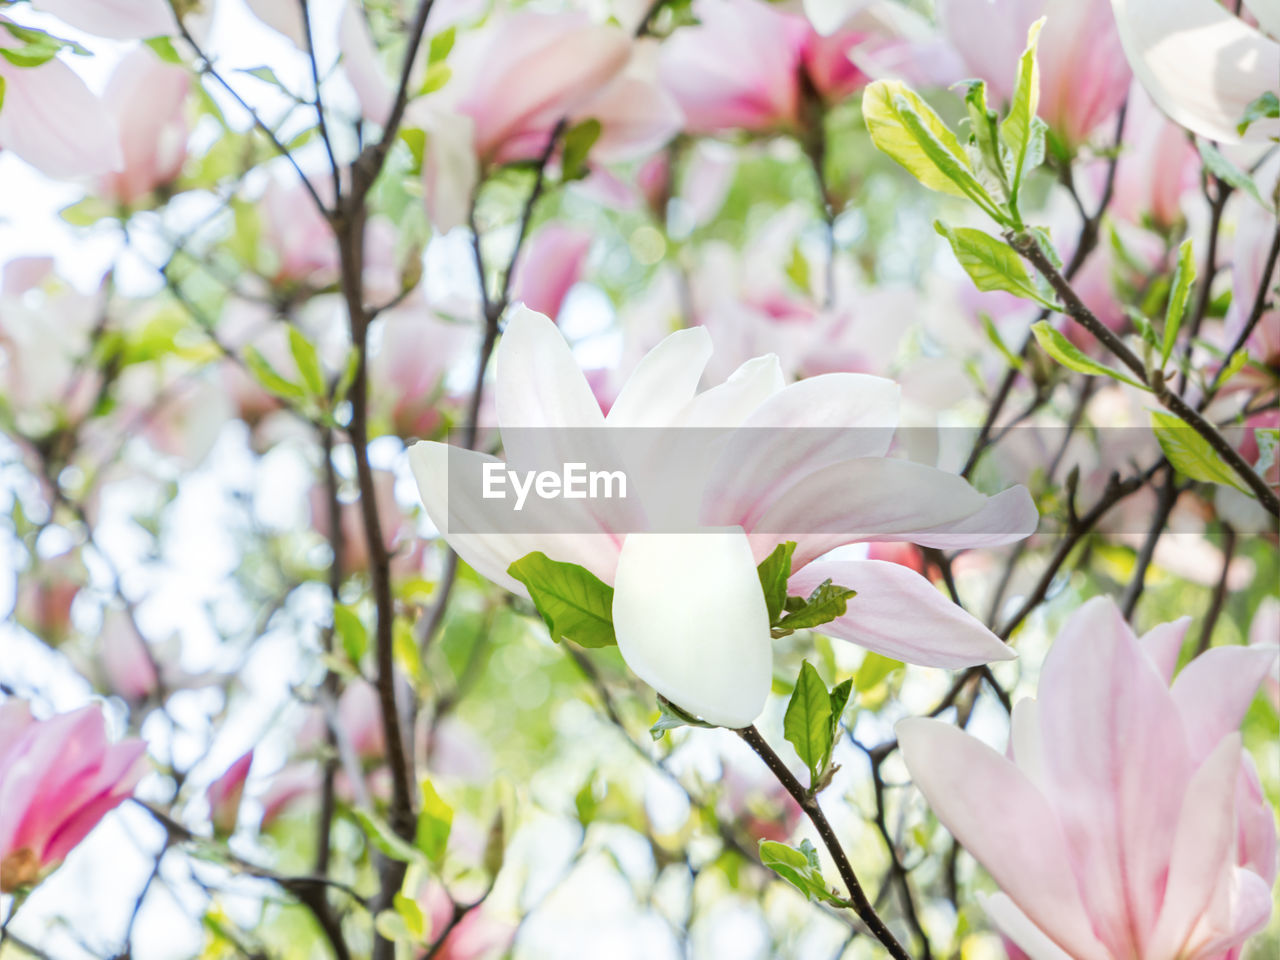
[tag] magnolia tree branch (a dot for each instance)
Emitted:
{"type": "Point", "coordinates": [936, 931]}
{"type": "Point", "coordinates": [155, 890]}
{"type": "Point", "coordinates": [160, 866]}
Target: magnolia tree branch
{"type": "Point", "coordinates": [809, 804]}
{"type": "Point", "coordinates": [1260, 302]}
{"type": "Point", "coordinates": [1030, 250]}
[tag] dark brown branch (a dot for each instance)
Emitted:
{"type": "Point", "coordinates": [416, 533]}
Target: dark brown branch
{"type": "Point", "coordinates": [1165, 501]}
{"type": "Point", "coordinates": [809, 804]}
{"type": "Point", "coordinates": [1219, 592]}
{"type": "Point", "coordinates": [1255, 315]}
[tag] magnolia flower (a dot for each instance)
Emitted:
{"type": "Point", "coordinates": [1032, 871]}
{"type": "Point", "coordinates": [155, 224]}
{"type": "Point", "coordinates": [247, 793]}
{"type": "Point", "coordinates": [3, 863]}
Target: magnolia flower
{"type": "Point", "coordinates": [117, 19]}
{"type": "Point", "coordinates": [477, 934]}
{"type": "Point", "coordinates": [688, 608]}
{"type": "Point", "coordinates": [1255, 232]}
{"type": "Point", "coordinates": [550, 264]}
{"type": "Point", "coordinates": [1083, 74]}
{"type": "Point", "coordinates": [51, 120]}
{"type": "Point", "coordinates": [224, 795]}
{"type": "Point", "coordinates": [58, 778]}
{"type": "Point", "coordinates": [412, 352]}
{"type": "Point", "coordinates": [46, 593]}
{"type": "Point", "coordinates": [1156, 168]}
{"type": "Point", "coordinates": [147, 99]}
{"type": "Point", "coordinates": [1202, 64]}
{"type": "Point", "coordinates": [1126, 820]}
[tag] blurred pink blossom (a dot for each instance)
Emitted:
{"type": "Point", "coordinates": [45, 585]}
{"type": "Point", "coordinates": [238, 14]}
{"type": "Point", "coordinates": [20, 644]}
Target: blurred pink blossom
{"type": "Point", "coordinates": [224, 795]}
{"type": "Point", "coordinates": [550, 264]}
{"type": "Point", "coordinates": [58, 778]}
{"type": "Point", "coordinates": [478, 934]}
{"type": "Point", "coordinates": [46, 593]}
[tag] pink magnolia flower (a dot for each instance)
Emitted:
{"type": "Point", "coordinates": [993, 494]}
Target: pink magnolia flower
{"type": "Point", "coordinates": [58, 778]}
{"type": "Point", "coordinates": [117, 19]}
{"type": "Point", "coordinates": [298, 234]}
{"type": "Point", "coordinates": [45, 596]}
{"type": "Point", "coordinates": [1157, 167]}
{"type": "Point", "coordinates": [1126, 820]}
{"type": "Point", "coordinates": [754, 487]}
{"type": "Point", "coordinates": [288, 788]}
{"type": "Point", "coordinates": [413, 351]}
{"type": "Point", "coordinates": [1255, 231]}
{"type": "Point", "coordinates": [355, 545]}
{"type": "Point", "coordinates": [1084, 76]}
{"type": "Point", "coordinates": [147, 97]}
{"type": "Point", "coordinates": [476, 935]}
{"type": "Point", "coordinates": [128, 668]}
{"type": "Point", "coordinates": [52, 121]}
{"type": "Point", "coordinates": [550, 264]}
{"type": "Point", "coordinates": [224, 795]}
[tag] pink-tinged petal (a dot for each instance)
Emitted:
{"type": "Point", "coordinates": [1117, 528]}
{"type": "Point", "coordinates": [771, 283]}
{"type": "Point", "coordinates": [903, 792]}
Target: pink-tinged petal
{"type": "Point", "coordinates": [1118, 763]}
{"type": "Point", "coordinates": [636, 118]}
{"type": "Point", "coordinates": [1008, 825]}
{"type": "Point", "coordinates": [866, 499]}
{"type": "Point", "coordinates": [147, 97]}
{"type": "Point", "coordinates": [116, 19]}
{"type": "Point", "coordinates": [127, 665]}
{"type": "Point", "coordinates": [1007, 517]}
{"type": "Point", "coordinates": [1163, 643]}
{"type": "Point", "coordinates": [15, 717]}
{"type": "Point", "coordinates": [362, 67]}
{"type": "Point", "coordinates": [729, 404]}
{"type": "Point", "coordinates": [938, 633]}
{"type": "Point", "coordinates": [550, 264]}
{"type": "Point", "coordinates": [1257, 823]}
{"type": "Point", "coordinates": [1246, 908]}
{"type": "Point", "coordinates": [1034, 943]}
{"type": "Point", "coordinates": [487, 535]}
{"type": "Point", "coordinates": [224, 795]}
{"type": "Point", "coordinates": [123, 765]}
{"type": "Point", "coordinates": [738, 68]}
{"type": "Point", "coordinates": [283, 16]}
{"type": "Point", "coordinates": [801, 428]}
{"type": "Point", "coordinates": [663, 382]}
{"type": "Point", "coordinates": [1026, 741]}
{"type": "Point", "coordinates": [450, 169]}
{"type": "Point", "coordinates": [1201, 64]}
{"type": "Point", "coordinates": [52, 121]}
{"type": "Point", "coordinates": [1215, 689]}
{"type": "Point", "coordinates": [1200, 861]}
{"type": "Point", "coordinates": [538, 381]}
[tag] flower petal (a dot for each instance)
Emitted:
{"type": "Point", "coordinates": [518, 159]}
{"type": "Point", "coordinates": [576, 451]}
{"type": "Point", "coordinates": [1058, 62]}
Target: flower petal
{"type": "Point", "coordinates": [1215, 689]}
{"type": "Point", "coordinates": [691, 621]}
{"type": "Point", "coordinates": [1000, 817]}
{"type": "Point", "coordinates": [538, 381]}
{"type": "Point", "coordinates": [51, 120]}
{"type": "Point", "coordinates": [936, 633]}
{"type": "Point", "coordinates": [1201, 64]}
{"type": "Point", "coordinates": [1015, 925]}
{"type": "Point", "coordinates": [1007, 517]}
{"type": "Point", "coordinates": [116, 19]}
{"type": "Point", "coordinates": [1163, 643]}
{"type": "Point", "coordinates": [664, 381]}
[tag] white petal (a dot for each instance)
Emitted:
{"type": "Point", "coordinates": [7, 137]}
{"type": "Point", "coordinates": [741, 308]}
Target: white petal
{"type": "Point", "coordinates": [1201, 64]}
{"type": "Point", "coordinates": [539, 383]}
{"type": "Point", "coordinates": [52, 121]}
{"type": "Point", "coordinates": [665, 379]}
{"type": "Point", "coordinates": [730, 403]}
{"type": "Point", "coordinates": [1015, 925]}
{"type": "Point", "coordinates": [117, 19]}
{"type": "Point", "coordinates": [1163, 643]}
{"type": "Point", "coordinates": [691, 621]}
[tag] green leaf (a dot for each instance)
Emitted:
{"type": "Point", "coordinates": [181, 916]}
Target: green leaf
{"type": "Point", "coordinates": [2, 87]}
{"type": "Point", "coordinates": [801, 868]}
{"type": "Point", "coordinates": [348, 377]}
{"type": "Point", "coordinates": [670, 717]}
{"type": "Point", "coordinates": [807, 723]}
{"type": "Point", "coordinates": [381, 835]}
{"type": "Point", "coordinates": [797, 269]}
{"type": "Point", "coordinates": [575, 603]}
{"type": "Point", "coordinates": [440, 45]}
{"type": "Point", "coordinates": [989, 327]}
{"type": "Point", "coordinates": [1017, 130]}
{"type": "Point", "coordinates": [990, 263]}
{"type": "Point", "coordinates": [1226, 171]}
{"type": "Point", "coordinates": [86, 212]}
{"type": "Point", "coordinates": [826, 603]}
{"type": "Point", "coordinates": [902, 125]}
{"type": "Point", "coordinates": [438, 74]}
{"type": "Point", "coordinates": [1184, 275]}
{"type": "Point", "coordinates": [1190, 453]}
{"type": "Point", "coordinates": [351, 632]}
{"type": "Point", "coordinates": [307, 360]}
{"type": "Point", "coordinates": [1234, 365]}
{"type": "Point", "coordinates": [265, 74]}
{"type": "Point", "coordinates": [266, 375]}
{"type": "Point", "coordinates": [1072, 357]}
{"type": "Point", "coordinates": [163, 48]}
{"type": "Point", "coordinates": [983, 124]}
{"type": "Point", "coordinates": [435, 821]}
{"type": "Point", "coordinates": [578, 142]}
{"type": "Point", "coordinates": [775, 571]}
{"type": "Point", "coordinates": [415, 921]}
{"type": "Point", "coordinates": [1265, 107]}
{"type": "Point", "coordinates": [873, 670]}
{"type": "Point", "coordinates": [840, 695]}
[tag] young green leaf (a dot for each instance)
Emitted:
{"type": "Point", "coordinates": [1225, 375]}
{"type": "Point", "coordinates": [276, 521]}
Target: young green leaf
{"type": "Point", "coordinates": [351, 631]}
{"type": "Point", "coordinates": [775, 570]}
{"type": "Point", "coordinates": [822, 606]}
{"type": "Point", "coordinates": [989, 328]}
{"type": "Point", "coordinates": [807, 722]}
{"type": "Point", "coordinates": [990, 263]}
{"type": "Point", "coordinates": [266, 375]}
{"type": "Point", "coordinates": [670, 717]}
{"type": "Point", "coordinates": [307, 361]}
{"type": "Point", "coordinates": [1226, 171]}
{"type": "Point", "coordinates": [578, 142]}
{"type": "Point", "coordinates": [380, 834]}
{"type": "Point", "coordinates": [435, 821]}
{"type": "Point", "coordinates": [1265, 107]}
{"type": "Point", "coordinates": [1017, 130]}
{"type": "Point", "coordinates": [1190, 453]}
{"type": "Point", "coordinates": [1184, 275]}
{"type": "Point", "coordinates": [873, 670]}
{"type": "Point", "coordinates": [800, 868]}
{"type": "Point", "coordinates": [441, 44]}
{"type": "Point", "coordinates": [1073, 358]}
{"type": "Point", "coordinates": [840, 695]}
{"type": "Point", "coordinates": [575, 603]}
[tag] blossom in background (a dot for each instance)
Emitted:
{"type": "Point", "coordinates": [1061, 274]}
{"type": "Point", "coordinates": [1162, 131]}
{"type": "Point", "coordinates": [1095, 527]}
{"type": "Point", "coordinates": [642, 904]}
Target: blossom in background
{"type": "Point", "coordinates": [477, 934]}
{"type": "Point", "coordinates": [147, 98]}
{"type": "Point", "coordinates": [755, 488]}
{"type": "Point", "coordinates": [45, 595]}
{"type": "Point", "coordinates": [58, 778]}
{"type": "Point", "coordinates": [1255, 233]}
{"type": "Point", "coordinates": [1126, 820]}
{"type": "Point", "coordinates": [1202, 64]}
{"type": "Point", "coordinates": [1157, 166]}
{"type": "Point", "coordinates": [550, 264]}
{"type": "Point", "coordinates": [225, 793]}
{"type": "Point", "coordinates": [409, 396]}
{"type": "Point", "coordinates": [1083, 73]}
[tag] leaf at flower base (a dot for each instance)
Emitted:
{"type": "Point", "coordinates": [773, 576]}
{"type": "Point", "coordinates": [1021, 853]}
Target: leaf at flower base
{"type": "Point", "coordinates": [1265, 107]}
{"type": "Point", "coordinates": [1184, 275]}
{"type": "Point", "coordinates": [578, 142]}
{"type": "Point", "coordinates": [671, 717]}
{"type": "Point", "coordinates": [775, 570]}
{"type": "Point", "coordinates": [807, 722]}
{"type": "Point", "coordinates": [575, 603]}
{"type": "Point", "coordinates": [1191, 454]}
{"type": "Point", "coordinates": [990, 263]}
{"type": "Point", "coordinates": [380, 834]}
{"type": "Point", "coordinates": [1073, 358]}
{"type": "Point", "coordinates": [800, 868]}
{"type": "Point", "coordinates": [1018, 131]}
{"type": "Point", "coordinates": [826, 603]}
{"type": "Point", "coordinates": [435, 821]}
